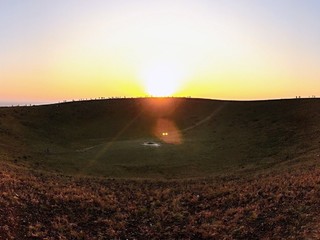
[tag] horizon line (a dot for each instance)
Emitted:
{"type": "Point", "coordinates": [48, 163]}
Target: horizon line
{"type": "Point", "coordinates": [40, 103]}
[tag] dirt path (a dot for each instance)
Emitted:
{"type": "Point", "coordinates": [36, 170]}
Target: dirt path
{"type": "Point", "coordinates": [89, 148]}
{"type": "Point", "coordinates": [206, 119]}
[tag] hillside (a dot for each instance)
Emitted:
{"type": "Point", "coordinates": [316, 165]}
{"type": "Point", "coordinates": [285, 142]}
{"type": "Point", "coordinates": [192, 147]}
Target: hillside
{"type": "Point", "coordinates": [281, 205]}
{"type": "Point", "coordinates": [220, 170]}
{"type": "Point", "coordinates": [205, 137]}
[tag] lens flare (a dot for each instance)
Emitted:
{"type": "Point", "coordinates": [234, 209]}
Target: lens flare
{"type": "Point", "coordinates": [167, 131]}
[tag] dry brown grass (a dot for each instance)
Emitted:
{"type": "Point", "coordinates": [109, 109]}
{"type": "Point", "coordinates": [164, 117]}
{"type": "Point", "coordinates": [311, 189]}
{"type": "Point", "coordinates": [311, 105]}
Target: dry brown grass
{"type": "Point", "coordinates": [45, 206]}
{"type": "Point", "coordinates": [272, 191]}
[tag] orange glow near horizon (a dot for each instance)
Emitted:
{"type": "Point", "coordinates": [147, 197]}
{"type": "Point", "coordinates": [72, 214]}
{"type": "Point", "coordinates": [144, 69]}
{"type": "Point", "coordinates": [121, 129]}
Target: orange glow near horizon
{"type": "Point", "coordinates": [208, 49]}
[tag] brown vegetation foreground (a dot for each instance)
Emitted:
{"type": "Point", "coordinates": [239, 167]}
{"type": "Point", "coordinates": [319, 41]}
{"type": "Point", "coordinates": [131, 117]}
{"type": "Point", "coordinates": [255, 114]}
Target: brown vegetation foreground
{"type": "Point", "coordinates": [42, 206]}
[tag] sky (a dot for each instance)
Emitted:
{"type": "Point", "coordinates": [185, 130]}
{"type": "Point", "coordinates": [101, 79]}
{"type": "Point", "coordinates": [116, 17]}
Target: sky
{"type": "Point", "coordinates": [52, 51]}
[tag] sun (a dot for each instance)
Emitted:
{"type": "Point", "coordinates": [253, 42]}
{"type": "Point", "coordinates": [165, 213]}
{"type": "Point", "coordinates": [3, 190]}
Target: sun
{"type": "Point", "coordinates": [161, 80]}
{"type": "Point", "coordinates": [161, 87]}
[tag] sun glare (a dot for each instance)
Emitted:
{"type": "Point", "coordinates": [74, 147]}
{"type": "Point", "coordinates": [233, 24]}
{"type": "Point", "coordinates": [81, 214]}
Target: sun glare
{"type": "Point", "coordinates": [162, 80]}
{"type": "Point", "coordinates": [167, 131]}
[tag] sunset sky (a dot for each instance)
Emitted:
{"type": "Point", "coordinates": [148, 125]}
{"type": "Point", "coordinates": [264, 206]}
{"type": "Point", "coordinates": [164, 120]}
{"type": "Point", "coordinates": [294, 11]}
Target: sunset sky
{"type": "Point", "coordinates": [228, 49]}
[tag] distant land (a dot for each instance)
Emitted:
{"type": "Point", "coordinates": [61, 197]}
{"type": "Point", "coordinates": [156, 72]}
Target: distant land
{"type": "Point", "coordinates": [9, 104]}
{"type": "Point", "coordinates": [46, 102]}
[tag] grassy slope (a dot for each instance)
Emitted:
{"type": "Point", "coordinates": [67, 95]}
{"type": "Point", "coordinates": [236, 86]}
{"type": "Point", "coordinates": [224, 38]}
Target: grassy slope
{"type": "Point", "coordinates": [105, 137]}
{"type": "Point", "coordinates": [280, 138]}
{"type": "Point", "coordinates": [281, 205]}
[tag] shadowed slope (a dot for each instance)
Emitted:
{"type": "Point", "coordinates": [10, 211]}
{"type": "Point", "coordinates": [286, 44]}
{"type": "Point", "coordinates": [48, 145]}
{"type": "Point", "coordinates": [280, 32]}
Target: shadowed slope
{"type": "Point", "coordinates": [106, 137]}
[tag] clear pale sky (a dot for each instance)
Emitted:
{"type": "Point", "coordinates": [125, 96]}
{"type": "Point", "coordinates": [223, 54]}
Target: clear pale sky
{"type": "Point", "coordinates": [226, 49]}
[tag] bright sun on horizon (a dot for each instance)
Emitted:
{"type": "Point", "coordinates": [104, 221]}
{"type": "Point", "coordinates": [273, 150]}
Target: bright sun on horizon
{"type": "Point", "coordinates": [162, 79]}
